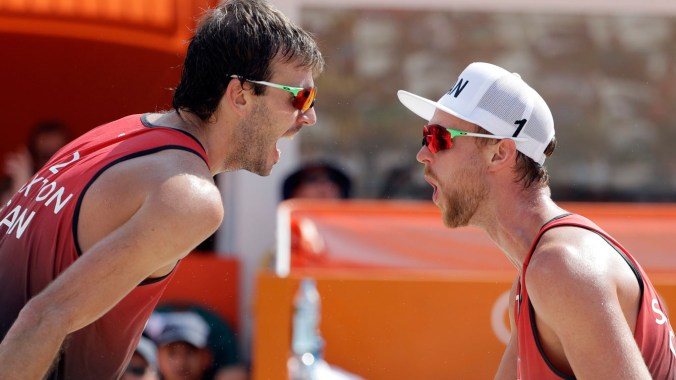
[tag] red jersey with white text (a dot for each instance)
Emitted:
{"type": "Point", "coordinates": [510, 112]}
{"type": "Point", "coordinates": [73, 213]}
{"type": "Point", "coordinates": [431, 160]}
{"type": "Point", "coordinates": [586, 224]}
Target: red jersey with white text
{"type": "Point", "coordinates": [38, 241]}
{"type": "Point", "coordinates": [653, 332]}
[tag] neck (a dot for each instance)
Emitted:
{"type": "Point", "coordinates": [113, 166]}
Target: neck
{"type": "Point", "coordinates": [514, 220]}
{"type": "Point", "coordinates": [188, 122]}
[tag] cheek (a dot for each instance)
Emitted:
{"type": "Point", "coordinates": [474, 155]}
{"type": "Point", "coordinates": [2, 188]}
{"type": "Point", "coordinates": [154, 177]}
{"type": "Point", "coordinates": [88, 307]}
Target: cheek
{"type": "Point", "coordinates": [280, 108]}
{"type": "Point", "coordinates": [274, 120]}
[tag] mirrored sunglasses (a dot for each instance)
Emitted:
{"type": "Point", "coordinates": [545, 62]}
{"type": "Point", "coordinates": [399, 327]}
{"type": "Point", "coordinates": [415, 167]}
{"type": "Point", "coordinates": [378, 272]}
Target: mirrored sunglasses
{"type": "Point", "coordinates": [303, 97]}
{"type": "Point", "coordinates": [437, 138]}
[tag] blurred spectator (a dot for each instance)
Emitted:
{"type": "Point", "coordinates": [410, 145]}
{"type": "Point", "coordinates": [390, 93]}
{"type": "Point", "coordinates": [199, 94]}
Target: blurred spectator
{"type": "Point", "coordinates": [319, 181]}
{"type": "Point", "coordinates": [194, 343]}
{"type": "Point", "coordinates": [405, 182]}
{"type": "Point", "coordinates": [44, 140]}
{"type": "Point", "coordinates": [143, 364]}
{"type": "Point", "coordinates": [315, 180]}
{"type": "Point", "coordinates": [182, 347]}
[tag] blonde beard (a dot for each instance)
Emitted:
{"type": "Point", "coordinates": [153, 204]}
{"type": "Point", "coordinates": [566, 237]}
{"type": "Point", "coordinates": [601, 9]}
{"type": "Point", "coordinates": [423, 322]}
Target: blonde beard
{"type": "Point", "coordinates": [462, 203]}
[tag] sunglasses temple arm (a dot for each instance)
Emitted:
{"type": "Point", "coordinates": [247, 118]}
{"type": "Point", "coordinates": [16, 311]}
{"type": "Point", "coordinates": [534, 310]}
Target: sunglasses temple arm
{"type": "Point", "coordinates": [488, 136]}
{"type": "Point", "coordinates": [293, 90]}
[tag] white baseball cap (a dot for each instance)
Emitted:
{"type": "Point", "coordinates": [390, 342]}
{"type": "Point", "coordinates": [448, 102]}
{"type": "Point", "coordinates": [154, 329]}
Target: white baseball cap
{"type": "Point", "coordinates": [496, 100]}
{"type": "Point", "coordinates": [184, 326]}
{"type": "Point", "coordinates": [148, 350]}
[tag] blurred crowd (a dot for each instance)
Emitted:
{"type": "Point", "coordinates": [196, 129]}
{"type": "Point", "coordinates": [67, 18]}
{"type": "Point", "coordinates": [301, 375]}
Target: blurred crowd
{"type": "Point", "coordinates": [186, 343]}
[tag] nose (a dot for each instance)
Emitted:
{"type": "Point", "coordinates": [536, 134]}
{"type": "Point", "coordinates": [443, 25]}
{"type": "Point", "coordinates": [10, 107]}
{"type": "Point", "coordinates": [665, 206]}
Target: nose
{"type": "Point", "coordinates": [424, 155]}
{"type": "Point", "coordinates": [309, 117]}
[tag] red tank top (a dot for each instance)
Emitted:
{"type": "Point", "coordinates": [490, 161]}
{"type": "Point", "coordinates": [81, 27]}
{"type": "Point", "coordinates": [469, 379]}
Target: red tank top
{"type": "Point", "coordinates": [653, 333]}
{"type": "Point", "coordinates": [38, 241]}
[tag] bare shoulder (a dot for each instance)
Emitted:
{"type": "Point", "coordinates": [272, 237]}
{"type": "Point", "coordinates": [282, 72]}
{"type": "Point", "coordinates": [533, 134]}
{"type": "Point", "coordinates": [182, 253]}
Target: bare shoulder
{"type": "Point", "coordinates": [586, 300]}
{"type": "Point", "coordinates": [171, 187]}
{"type": "Point", "coordinates": [184, 189]}
{"type": "Point", "coordinates": [573, 263]}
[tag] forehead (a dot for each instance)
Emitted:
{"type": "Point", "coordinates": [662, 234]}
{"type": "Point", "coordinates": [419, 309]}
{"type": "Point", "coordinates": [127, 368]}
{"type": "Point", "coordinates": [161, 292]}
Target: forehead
{"type": "Point", "coordinates": [449, 121]}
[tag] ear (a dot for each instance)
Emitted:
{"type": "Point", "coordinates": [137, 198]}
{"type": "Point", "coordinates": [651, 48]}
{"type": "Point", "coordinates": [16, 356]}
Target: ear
{"type": "Point", "coordinates": [502, 154]}
{"type": "Point", "coordinates": [237, 95]}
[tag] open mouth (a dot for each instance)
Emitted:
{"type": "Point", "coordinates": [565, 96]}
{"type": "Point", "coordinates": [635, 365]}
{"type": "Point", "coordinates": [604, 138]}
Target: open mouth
{"type": "Point", "coordinates": [434, 187]}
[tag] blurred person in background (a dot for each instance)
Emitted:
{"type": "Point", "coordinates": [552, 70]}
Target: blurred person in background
{"type": "Point", "coordinates": [88, 247]}
{"type": "Point", "coordinates": [44, 140]}
{"type": "Point", "coordinates": [404, 182]}
{"type": "Point", "coordinates": [184, 351]}
{"type": "Point", "coordinates": [583, 306]}
{"type": "Point", "coordinates": [143, 364]}
{"type": "Point", "coordinates": [317, 180]}
{"type": "Point", "coordinates": [221, 338]}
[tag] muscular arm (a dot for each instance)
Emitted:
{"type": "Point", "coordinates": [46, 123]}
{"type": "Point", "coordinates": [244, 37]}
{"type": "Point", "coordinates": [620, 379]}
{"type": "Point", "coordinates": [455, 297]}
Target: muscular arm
{"type": "Point", "coordinates": [507, 369]}
{"type": "Point", "coordinates": [178, 211]}
{"type": "Point", "coordinates": [579, 292]}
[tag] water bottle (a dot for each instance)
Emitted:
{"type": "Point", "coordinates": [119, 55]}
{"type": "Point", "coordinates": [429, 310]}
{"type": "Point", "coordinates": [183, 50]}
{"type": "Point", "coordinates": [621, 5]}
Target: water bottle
{"type": "Point", "coordinates": [306, 343]}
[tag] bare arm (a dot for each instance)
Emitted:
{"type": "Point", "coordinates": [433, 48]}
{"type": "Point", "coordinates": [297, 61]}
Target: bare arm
{"type": "Point", "coordinates": [579, 313]}
{"type": "Point", "coordinates": [176, 215]}
{"type": "Point", "coordinates": [507, 369]}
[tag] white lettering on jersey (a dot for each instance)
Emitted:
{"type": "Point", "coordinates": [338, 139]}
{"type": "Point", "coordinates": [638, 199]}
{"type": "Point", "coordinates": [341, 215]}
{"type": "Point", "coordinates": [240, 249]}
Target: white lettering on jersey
{"type": "Point", "coordinates": [17, 221]}
{"type": "Point", "coordinates": [60, 202]}
{"type": "Point", "coordinates": [27, 186]}
{"type": "Point", "coordinates": [656, 308]}
{"type": "Point", "coordinates": [42, 194]}
{"type": "Point", "coordinates": [55, 169]}
{"type": "Point", "coordinates": [664, 320]}
{"type": "Point", "coordinates": [49, 192]}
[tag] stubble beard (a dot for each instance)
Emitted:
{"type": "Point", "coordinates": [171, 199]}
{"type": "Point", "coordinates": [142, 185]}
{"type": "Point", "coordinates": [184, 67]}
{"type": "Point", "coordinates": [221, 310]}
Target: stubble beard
{"type": "Point", "coordinates": [252, 142]}
{"type": "Point", "coordinates": [463, 202]}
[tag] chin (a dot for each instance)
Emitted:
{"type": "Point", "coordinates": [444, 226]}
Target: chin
{"type": "Point", "coordinates": [259, 168]}
{"type": "Point", "coordinates": [454, 219]}
{"type": "Point", "coordinates": [263, 172]}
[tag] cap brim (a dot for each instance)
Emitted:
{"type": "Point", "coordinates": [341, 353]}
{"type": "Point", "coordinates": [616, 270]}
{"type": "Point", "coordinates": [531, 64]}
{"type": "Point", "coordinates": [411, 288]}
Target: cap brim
{"type": "Point", "coordinates": [183, 338]}
{"type": "Point", "coordinates": [425, 108]}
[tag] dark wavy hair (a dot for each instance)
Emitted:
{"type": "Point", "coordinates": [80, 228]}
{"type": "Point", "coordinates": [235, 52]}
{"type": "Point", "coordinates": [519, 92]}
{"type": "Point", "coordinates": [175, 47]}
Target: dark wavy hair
{"type": "Point", "coordinates": [239, 37]}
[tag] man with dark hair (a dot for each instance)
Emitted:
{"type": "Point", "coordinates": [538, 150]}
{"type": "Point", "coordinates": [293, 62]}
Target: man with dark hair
{"type": "Point", "coordinates": [583, 307]}
{"type": "Point", "coordinates": [88, 244]}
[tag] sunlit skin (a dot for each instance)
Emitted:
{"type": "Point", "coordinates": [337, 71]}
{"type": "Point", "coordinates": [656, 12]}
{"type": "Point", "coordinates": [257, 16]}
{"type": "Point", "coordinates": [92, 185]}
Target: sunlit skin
{"type": "Point", "coordinates": [174, 193]}
{"type": "Point", "coordinates": [597, 295]}
{"type": "Point", "coordinates": [183, 361]}
{"type": "Point", "coordinates": [272, 118]}
{"type": "Point", "coordinates": [457, 174]}
{"type": "Point", "coordinates": [244, 131]}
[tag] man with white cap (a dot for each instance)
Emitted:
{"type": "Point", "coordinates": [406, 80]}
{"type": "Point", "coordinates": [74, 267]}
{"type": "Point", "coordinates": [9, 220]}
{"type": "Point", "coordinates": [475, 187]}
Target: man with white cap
{"type": "Point", "coordinates": [583, 307]}
{"type": "Point", "coordinates": [182, 346]}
